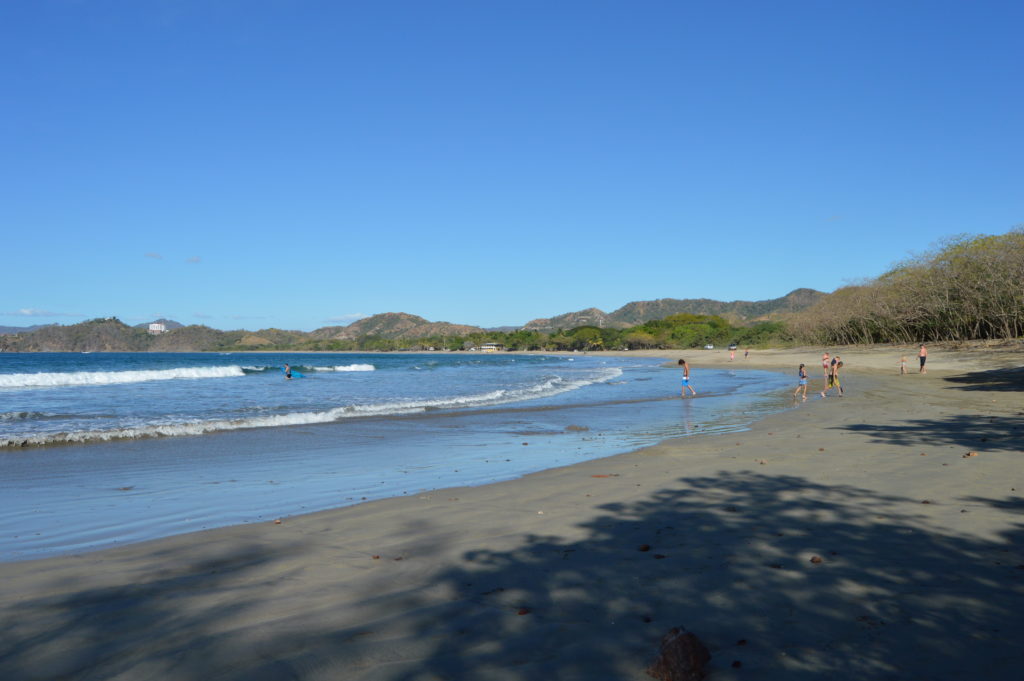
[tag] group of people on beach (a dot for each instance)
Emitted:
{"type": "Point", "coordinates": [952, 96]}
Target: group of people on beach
{"type": "Point", "coordinates": [831, 367]}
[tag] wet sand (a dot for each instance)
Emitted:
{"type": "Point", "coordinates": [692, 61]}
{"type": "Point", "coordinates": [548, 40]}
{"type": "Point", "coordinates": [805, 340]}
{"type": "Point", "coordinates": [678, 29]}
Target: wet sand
{"type": "Point", "coordinates": [878, 535]}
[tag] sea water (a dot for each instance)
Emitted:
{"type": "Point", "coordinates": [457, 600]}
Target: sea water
{"type": "Point", "coordinates": [101, 449]}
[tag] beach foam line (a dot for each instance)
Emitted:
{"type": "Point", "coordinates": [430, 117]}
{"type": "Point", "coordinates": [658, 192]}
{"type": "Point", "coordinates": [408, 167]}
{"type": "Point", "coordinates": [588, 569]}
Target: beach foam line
{"type": "Point", "coordinates": [78, 378]}
{"type": "Point", "coordinates": [348, 367]}
{"type": "Point", "coordinates": [546, 388]}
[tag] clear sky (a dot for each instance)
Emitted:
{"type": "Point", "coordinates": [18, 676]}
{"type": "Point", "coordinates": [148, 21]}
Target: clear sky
{"type": "Point", "coordinates": [300, 163]}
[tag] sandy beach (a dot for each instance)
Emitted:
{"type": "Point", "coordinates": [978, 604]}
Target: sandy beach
{"type": "Point", "coordinates": [874, 536]}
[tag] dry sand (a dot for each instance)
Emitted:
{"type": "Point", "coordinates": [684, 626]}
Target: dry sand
{"type": "Point", "coordinates": [576, 573]}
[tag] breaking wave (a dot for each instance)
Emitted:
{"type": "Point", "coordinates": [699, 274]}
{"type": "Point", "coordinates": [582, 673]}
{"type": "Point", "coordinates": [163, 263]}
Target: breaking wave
{"type": "Point", "coordinates": [547, 388]}
{"type": "Point", "coordinates": [76, 378]}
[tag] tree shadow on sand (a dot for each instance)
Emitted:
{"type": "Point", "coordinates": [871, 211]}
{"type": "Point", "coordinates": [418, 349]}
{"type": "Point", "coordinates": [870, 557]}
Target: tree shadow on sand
{"type": "Point", "coordinates": [727, 556]}
{"type": "Point", "coordinates": [730, 558]}
{"type": "Point", "coordinates": [1011, 380]}
{"type": "Point", "coordinates": [149, 628]}
{"type": "Point", "coordinates": [983, 433]}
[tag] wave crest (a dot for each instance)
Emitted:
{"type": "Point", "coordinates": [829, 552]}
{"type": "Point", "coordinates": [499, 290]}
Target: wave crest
{"type": "Point", "coordinates": [76, 378]}
{"type": "Point", "coordinates": [347, 367]}
{"type": "Point", "coordinates": [547, 388]}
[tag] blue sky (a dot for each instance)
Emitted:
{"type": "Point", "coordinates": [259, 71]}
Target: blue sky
{"type": "Point", "coordinates": [298, 164]}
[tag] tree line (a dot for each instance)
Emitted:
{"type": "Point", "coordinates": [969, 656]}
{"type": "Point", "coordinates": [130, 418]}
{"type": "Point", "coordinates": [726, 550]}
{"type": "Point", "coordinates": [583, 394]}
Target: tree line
{"type": "Point", "coordinates": [675, 331]}
{"type": "Point", "coordinates": [965, 288]}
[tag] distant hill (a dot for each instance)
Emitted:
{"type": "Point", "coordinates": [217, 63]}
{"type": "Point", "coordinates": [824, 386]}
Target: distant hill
{"type": "Point", "coordinates": [5, 330]}
{"type": "Point", "coordinates": [570, 320]}
{"type": "Point", "coordinates": [632, 314]}
{"type": "Point", "coordinates": [168, 324]}
{"type": "Point", "coordinates": [94, 335]}
{"type": "Point", "coordinates": [113, 335]}
{"type": "Point", "coordinates": [395, 325]}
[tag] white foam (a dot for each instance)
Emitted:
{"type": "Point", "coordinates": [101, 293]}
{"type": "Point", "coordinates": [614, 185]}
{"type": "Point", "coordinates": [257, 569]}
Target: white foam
{"type": "Point", "coordinates": [347, 367]}
{"type": "Point", "coordinates": [75, 378]}
{"type": "Point", "coordinates": [547, 388]}
{"type": "Point", "coordinates": [21, 415]}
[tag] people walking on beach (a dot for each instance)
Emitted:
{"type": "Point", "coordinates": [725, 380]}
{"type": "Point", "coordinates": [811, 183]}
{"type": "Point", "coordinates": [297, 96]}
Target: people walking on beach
{"type": "Point", "coordinates": [686, 378]}
{"type": "Point", "coordinates": [833, 377]}
{"type": "Point", "coordinates": [903, 365]}
{"type": "Point", "coordinates": [826, 368]}
{"type": "Point", "coordinates": [802, 385]}
{"type": "Point", "coordinates": [922, 355]}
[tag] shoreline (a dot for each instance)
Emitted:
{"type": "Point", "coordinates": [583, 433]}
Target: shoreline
{"type": "Point", "coordinates": [545, 575]}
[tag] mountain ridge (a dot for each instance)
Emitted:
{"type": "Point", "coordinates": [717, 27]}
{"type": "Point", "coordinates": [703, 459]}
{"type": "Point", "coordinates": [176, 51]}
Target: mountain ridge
{"type": "Point", "coordinates": [638, 312]}
{"type": "Point", "coordinates": [112, 335]}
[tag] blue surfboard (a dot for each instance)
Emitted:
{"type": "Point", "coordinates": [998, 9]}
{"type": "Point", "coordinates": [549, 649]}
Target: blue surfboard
{"type": "Point", "coordinates": [295, 374]}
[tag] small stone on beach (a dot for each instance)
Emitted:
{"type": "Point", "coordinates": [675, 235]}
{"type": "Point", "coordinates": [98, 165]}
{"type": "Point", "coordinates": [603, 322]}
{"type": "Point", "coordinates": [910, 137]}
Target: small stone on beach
{"type": "Point", "coordinates": [682, 657]}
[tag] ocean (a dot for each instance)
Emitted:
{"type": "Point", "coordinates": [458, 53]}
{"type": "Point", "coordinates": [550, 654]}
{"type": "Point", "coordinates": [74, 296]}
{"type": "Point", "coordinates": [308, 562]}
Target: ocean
{"type": "Point", "coordinates": [102, 449]}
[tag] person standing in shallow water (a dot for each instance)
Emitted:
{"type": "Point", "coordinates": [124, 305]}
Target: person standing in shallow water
{"type": "Point", "coordinates": [802, 386]}
{"type": "Point", "coordinates": [686, 378]}
{"type": "Point", "coordinates": [922, 355]}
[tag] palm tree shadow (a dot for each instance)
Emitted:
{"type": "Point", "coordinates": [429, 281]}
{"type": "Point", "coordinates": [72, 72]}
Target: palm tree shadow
{"type": "Point", "coordinates": [730, 558]}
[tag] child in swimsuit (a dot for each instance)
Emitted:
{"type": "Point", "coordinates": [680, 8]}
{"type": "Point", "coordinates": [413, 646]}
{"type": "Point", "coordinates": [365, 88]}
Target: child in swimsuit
{"type": "Point", "coordinates": [686, 378]}
{"type": "Point", "coordinates": [802, 385]}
